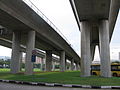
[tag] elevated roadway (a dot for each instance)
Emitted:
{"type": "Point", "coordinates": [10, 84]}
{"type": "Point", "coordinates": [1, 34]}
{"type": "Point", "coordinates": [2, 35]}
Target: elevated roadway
{"type": "Point", "coordinates": [96, 20]}
{"type": "Point", "coordinates": [25, 27]}
{"type": "Point", "coordinates": [39, 53]}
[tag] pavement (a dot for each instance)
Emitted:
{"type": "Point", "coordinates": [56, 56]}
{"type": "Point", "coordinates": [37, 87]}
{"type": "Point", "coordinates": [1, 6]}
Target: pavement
{"type": "Point", "coordinates": [56, 85]}
{"type": "Point", "coordinates": [12, 86]}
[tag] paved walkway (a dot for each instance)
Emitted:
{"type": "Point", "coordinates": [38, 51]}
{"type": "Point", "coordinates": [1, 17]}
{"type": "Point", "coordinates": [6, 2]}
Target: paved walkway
{"type": "Point", "coordinates": [9, 86]}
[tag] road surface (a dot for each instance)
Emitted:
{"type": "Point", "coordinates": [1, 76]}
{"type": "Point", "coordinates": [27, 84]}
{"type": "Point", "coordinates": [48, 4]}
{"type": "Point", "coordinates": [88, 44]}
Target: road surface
{"type": "Point", "coordinates": [9, 86]}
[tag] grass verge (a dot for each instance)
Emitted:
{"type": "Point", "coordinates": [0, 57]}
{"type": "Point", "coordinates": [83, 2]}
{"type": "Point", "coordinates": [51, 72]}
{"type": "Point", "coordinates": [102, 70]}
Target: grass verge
{"type": "Point", "coordinates": [69, 77]}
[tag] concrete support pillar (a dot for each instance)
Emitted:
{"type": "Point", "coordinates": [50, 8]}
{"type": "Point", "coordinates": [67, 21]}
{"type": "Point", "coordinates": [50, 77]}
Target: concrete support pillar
{"type": "Point", "coordinates": [62, 61]}
{"type": "Point", "coordinates": [48, 65]}
{"type": "Point", "coordinates": [85, 49]}
{"type": "Point", "coordinates": [104, 48]}
{"type": "Point", "coordinates": [42, 65]}
{"type": "Point", "coordinates": [15, 63]}
{"type": "Point", "coordinates": [66, 65]}
{"type": "Point", "coordinates": [20, 60]}
{"type": "Point", "coordinates": [77, 67]}
{"type": "Point", "coordinates": [29, 48]}
{"type": "Point", "coordinates": [53, 66]}
{"type": "Point", "coordinates": [72, 65]}
{"type": "Point", "coordinates": [92, 49]}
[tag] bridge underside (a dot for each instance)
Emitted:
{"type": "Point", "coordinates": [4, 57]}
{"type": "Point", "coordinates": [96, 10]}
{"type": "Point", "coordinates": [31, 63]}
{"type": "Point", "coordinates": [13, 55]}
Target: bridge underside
{"type": "Point", "coordinates": [96, 20]}
{"type": "Point", "coordinates": [92, 9]}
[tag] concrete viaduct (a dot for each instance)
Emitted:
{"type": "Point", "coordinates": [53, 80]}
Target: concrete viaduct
{"type": "Point", "coordinates": [40, 54]}
{"type": "Point", "coordinates": [26, 27]}
{"type": "Point", "coordinates": [96, 20]}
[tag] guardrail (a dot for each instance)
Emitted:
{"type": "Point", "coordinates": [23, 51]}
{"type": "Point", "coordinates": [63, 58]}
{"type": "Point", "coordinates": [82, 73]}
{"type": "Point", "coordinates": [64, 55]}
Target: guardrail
{"type": "Point", "coordinates": [31, 5]}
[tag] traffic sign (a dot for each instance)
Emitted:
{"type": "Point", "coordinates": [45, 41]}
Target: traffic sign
{"type": "Point", "coordinates": [33, 58]}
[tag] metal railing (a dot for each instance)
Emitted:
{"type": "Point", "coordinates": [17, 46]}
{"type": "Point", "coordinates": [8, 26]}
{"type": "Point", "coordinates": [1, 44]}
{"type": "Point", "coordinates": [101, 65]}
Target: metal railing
{"type": "Point", "coordinates": [31, 5]}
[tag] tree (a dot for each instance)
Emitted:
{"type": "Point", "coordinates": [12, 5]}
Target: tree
{"type": "Point", "coordinates": [117, 62]}
{"type": "Point", "coordinates": [1, 63]}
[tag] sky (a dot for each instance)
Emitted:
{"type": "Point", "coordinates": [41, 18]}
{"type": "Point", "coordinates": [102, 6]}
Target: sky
{"type": "Point", "coordinates": [61, 14]}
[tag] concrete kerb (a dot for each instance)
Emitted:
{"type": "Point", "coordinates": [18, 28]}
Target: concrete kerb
{"type": "Point", "coordinates": [60, 85]}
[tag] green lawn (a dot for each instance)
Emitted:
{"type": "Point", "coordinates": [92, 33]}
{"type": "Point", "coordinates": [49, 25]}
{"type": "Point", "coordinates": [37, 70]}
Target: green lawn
{"type": "Point", "coordinates": [69, 77]}
{"type": "Point", "coordinates": [8, 70]}
{"type": "Point", "coordinates": [4, 70]}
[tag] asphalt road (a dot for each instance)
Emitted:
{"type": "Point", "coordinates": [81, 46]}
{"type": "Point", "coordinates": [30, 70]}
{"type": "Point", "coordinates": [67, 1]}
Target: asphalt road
{"type": "Point", "coordinates": [9, 86]}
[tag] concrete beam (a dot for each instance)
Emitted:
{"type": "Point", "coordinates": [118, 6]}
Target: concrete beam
{"type": "Point", "coordinates": [114, 10]}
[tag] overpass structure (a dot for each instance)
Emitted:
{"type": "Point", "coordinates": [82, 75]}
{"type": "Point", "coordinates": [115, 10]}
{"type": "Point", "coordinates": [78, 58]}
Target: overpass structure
{"type": "Point", "coordinates": [25, 27]}
{"type": "Point", "coordinates": [96, 20]}
{"type": "Point", "coordinates": [40, 54]}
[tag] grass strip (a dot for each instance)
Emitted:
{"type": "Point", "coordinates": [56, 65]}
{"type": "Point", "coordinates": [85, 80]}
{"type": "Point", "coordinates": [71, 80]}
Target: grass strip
{"type": "Point", "coordinates": [68, 77]}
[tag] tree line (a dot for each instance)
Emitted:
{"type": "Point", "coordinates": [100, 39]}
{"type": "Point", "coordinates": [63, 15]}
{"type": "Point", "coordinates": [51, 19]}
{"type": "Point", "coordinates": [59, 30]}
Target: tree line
{"type": "Point", "coordinates": [4, 63]}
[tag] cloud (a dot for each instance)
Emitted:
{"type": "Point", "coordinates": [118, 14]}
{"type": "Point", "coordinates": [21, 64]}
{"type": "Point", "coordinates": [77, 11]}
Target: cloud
{"type": "Point", "coordinates": [5, 51]}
